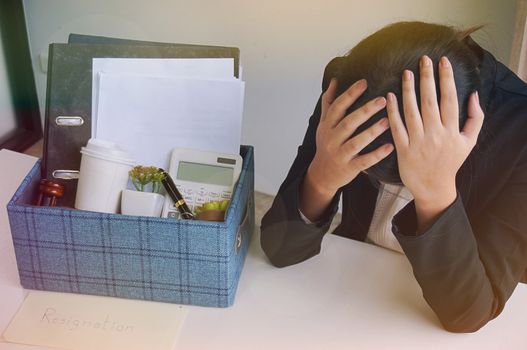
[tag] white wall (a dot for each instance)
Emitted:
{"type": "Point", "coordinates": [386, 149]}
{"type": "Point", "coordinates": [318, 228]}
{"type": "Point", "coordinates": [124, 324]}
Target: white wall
{"type": "Point", "coordinates": [285, 45]}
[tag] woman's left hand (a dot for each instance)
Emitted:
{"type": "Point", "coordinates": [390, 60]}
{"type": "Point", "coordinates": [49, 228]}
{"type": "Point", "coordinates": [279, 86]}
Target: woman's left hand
{"type": "Point", "coordinates": [431, 149]}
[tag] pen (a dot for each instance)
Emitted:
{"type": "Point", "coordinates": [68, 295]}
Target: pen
{"type": "Point", "coordinates": [173, 192]}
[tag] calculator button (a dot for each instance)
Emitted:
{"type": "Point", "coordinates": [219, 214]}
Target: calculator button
{"type": "Point", "coordinates": [202, 192]}
{"type": "Point", "coordinates": [200, 200]}
{"type": "Point", "coordinates": [226, 195]}
{"type": "Point", "coordinates": [173, 215]}
{"type": "Point", "coordinates": [214, 194]}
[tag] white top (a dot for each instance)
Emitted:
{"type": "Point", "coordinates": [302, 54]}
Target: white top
{"type": "Point", "coordinates": [391, 199]}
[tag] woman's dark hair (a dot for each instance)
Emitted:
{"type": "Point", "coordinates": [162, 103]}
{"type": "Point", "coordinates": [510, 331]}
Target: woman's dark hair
{"type": "Point", "coordinates": [381, 59]}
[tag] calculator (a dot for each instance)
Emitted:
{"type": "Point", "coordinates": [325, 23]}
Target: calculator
{"type": "Point", "coordinates": [201, 177]}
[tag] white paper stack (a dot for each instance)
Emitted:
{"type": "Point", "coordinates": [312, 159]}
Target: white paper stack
{"type": "Point", "coordinates": [151, 106]}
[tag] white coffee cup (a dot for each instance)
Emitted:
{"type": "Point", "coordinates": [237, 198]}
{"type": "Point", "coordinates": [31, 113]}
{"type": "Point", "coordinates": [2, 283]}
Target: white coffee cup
{"type": "Point", "coordinates": [103, 175]}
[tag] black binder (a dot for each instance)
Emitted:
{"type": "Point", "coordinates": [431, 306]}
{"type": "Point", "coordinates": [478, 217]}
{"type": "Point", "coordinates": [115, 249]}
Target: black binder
{"type": "Point", "coordinates": [69, 95]}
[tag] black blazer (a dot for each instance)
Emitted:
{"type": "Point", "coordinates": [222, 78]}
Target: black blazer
{"type": "Point", "coordinates": [471, 259]}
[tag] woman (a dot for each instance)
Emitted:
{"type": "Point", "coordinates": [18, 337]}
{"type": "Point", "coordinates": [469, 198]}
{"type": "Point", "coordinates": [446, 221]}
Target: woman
{"type": "Point", "coordinates": [423, 133]}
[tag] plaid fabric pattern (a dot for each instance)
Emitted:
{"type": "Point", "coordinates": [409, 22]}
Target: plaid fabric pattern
{"type": "Point", "coordinates": [178, 261]}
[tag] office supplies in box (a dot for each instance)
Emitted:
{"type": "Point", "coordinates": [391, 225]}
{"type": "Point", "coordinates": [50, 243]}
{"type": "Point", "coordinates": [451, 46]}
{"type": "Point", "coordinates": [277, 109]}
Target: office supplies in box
{"type": "Point", "coordinates": [180, 261]}
{"type": "Point", "coordinates": [69, 94]}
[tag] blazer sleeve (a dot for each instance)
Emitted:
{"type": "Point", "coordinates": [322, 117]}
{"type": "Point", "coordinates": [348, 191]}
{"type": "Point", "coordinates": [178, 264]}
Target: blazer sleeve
{"type": "Point", "coordinates": [468, 269]}
{"type": "Point", "coordinates": [285, 238]}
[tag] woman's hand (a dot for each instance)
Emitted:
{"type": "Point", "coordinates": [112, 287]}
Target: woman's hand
{"type": "Point", "coordinates": [336, 160]}
{"type": "Point", "coordinates": [431, 149]}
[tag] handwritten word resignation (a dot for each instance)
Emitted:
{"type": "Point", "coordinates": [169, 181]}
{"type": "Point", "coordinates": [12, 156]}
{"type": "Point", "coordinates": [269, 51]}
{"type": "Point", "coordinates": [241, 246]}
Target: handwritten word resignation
{"type": "Point", "coordinates": [52, 317]}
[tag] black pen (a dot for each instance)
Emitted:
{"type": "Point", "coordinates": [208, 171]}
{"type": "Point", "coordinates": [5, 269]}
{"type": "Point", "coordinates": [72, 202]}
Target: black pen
{"type": "Point", "coordinates": [173, 192]}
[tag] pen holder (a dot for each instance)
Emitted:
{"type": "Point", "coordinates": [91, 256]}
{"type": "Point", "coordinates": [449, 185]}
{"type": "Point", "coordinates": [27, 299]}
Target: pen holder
{"type": "Point", "coordinates": [141, 203]}
{"type": "Point", "coordinates": [179, 261]}
{"type": "Point", "coordinates": [49, 192]}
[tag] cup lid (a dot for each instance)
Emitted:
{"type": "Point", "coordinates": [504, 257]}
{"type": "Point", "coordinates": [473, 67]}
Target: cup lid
{"type": "Point", "coordinates": [107, 150]}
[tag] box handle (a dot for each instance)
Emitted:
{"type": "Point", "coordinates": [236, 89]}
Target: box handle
{"type": "Point", "coordinates": [243, 225]}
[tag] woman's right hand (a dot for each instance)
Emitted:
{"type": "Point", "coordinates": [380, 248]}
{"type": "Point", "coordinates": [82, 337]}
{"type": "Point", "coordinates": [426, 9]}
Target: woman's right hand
{"type": "Point", "coordinates": [337, 161]}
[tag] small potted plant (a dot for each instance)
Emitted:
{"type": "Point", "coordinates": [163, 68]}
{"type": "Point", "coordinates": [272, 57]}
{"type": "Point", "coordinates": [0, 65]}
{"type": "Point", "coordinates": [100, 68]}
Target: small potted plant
{"type": "Point", "coordinates": [212, 211]}
{"type": "Point", "coordinates": [145, 200]}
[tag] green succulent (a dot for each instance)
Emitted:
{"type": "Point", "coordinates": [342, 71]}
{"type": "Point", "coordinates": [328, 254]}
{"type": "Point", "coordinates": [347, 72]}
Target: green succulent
{"type": "Point", "coordinates": [214, 205]}
{"type": "Point", "coordinates": [141, 176]}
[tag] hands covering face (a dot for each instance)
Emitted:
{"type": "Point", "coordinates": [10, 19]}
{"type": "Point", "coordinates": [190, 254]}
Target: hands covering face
{"type": "Point", "coordinates": [337, 160]}
{"type": "Point", "coordinates": [431, 148]}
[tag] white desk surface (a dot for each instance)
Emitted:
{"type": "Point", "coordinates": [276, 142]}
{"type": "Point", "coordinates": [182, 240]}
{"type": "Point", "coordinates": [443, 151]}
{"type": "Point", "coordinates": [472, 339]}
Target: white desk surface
{"type": "Point", "coordinates": [352, 295]}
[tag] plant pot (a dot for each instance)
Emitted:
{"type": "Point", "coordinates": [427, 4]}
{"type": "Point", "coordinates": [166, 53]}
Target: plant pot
{"type": "Point", "coordinates": [211, 215]}
{"type": "Point", "coordinates": [141, 203]}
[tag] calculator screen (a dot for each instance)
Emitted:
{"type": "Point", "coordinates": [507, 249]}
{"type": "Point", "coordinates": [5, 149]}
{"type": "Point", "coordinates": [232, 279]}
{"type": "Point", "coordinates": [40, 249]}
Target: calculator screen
{"type": "Point", "coordinates": [205, 173]}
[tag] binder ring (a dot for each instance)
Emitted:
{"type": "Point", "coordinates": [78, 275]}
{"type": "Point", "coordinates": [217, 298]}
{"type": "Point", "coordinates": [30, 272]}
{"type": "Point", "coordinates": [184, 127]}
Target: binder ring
{"type": "Point", "coordinates": [73, 120]}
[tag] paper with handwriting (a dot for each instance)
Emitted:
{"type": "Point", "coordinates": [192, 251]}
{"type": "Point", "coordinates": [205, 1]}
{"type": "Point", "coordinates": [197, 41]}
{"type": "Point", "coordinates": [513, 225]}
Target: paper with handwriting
{"type": "Point", "coordinates": [73, 321]}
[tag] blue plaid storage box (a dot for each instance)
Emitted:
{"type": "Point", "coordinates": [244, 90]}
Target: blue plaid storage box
{"type": "Point", "coordinates": [167, 260]}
